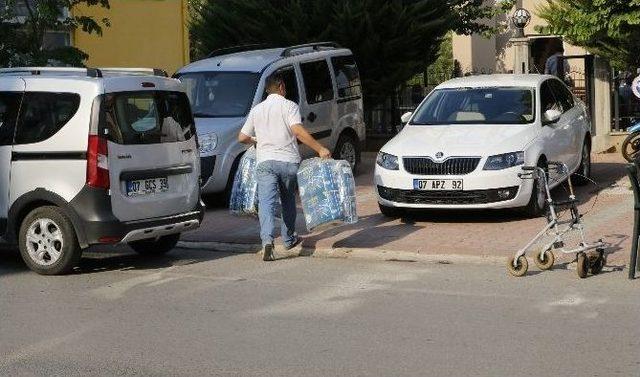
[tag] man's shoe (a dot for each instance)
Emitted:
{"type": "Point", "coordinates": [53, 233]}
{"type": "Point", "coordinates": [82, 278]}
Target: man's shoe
{"type": "Point", "coordinates": [268, 253]}
{"type": "Point", "coordinates": [293, 244]}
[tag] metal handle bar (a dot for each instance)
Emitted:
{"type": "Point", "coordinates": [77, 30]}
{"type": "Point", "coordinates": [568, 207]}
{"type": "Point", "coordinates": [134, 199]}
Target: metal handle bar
{"type": "Point", "coordinates": [560, 167]}
{"type": "Point", "coordinates": [531, 172]}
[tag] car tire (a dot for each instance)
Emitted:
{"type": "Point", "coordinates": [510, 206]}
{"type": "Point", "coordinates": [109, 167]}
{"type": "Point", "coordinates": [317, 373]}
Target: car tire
{"type": "Point", "coordinates": [48, 242]}
{"type": "Point", "coordinates": [213, 200]}
{"type": "Point", "coordinates": [221, 200]}
{"type": "Point", "coordinates": [232, 176]}
{"type": "Point", "coordinates": [154, 247]}
{"type": "Point", "coordinates": [537, 205]}
{"type": "Point", "coordinates": [582, 176]}
{"type": "Point", "coordinates": [347, 149]}
{"type": "Point", "coordinates": [631, 147]}
{"type": "Point", "coordinates": [390, 212]}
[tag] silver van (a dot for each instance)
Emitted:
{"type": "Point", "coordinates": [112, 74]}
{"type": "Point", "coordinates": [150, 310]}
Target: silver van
{"type": "Point", "coordinates": [95, 156]}
{"type": "Point", "coordinates": [322, 78]}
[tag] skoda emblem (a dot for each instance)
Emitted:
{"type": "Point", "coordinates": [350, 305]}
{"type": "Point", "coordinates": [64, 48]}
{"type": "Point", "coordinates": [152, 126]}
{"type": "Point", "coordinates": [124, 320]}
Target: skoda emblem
{"type": "Point", "coordinates": [439, 155]}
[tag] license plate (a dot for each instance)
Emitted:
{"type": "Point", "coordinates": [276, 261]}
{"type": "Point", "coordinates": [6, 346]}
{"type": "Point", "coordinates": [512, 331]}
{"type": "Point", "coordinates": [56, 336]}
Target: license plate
{"type": "Point", "coordinates": [438, 184]}
{"type": "Point", "coordinates": [147, 186]}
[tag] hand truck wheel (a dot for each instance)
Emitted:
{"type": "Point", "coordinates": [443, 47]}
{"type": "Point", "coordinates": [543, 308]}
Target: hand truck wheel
{"type": "Point", "coordinates": [598, 264]}
{"type": "Point", "coordinates": [583, 265]}
{"type": "Point", "coordinates": [521, 267]}
{"type": "Point", "coordinates": [544, 260]}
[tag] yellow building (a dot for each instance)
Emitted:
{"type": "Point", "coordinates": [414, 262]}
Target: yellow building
{"type": "Point", "coordinates": [143, 33]}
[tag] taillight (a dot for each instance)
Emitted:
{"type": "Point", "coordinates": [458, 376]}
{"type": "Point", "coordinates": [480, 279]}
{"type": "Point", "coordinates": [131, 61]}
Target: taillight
{"type": "Point", "coordinates": [97, 162]}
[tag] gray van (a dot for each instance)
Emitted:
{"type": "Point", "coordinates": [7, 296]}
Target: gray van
{"type": "Point", "coordinates": [322, 78]}
{"type": "Point", "coordinates": [95, 157]}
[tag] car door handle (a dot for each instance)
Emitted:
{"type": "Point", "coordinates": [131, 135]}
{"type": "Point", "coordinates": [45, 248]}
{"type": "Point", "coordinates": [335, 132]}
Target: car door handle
{"type": "Point", "coordinates": [312, 117]}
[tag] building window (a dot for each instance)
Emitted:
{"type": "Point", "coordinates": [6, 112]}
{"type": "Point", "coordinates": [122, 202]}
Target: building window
{"type": "Point", "coordinates": [56, 39]}
{"type": "Point", "coordinates": [52, 39]}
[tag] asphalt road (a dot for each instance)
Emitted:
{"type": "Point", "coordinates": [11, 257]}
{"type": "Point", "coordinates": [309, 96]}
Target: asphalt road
{"type": "Point", "coordinates": [201, 313]}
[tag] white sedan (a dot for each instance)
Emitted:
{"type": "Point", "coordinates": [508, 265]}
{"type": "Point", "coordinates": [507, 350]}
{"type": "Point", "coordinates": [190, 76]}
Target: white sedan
{"type": "Point", "coordinates": [465, 144]}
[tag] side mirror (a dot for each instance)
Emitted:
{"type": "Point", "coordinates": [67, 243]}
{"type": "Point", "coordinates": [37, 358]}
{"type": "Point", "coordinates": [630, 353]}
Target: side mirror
{"type": "Point", "coordinates": [406, 117]}
{"type": "Point", "coordinates": [551, 116]}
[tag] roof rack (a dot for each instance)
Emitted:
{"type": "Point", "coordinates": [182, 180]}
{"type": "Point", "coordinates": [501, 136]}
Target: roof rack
{"type": "Point", "coordinates": [37, 71]}
{"type": "Point", "coordinates": [315, 46]}
{"type": "Point", "coordinates": [134, 71]}
{"type": "Point", "coordinates": [89, 72]}
{"type": "Point", "coordinates": [234, 49]}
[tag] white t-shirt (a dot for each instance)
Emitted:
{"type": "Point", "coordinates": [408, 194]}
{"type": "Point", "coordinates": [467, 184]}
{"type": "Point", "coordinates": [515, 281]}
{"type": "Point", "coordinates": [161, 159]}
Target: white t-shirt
{"type": "Point", "coordinates": [270, 122]}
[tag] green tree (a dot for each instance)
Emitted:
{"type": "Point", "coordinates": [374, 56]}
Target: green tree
{"type": "Point", "coordinates": [609, 28]}
{"type": "Point", "coordinates": [24, 25]}
{"type": "Point", "coordinates": [393, 40]}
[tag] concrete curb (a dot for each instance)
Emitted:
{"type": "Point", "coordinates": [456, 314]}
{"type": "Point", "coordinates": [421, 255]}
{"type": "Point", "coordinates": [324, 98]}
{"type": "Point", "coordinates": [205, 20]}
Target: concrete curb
{"type": "Point", "coordinates": [379, 255]}
{"type": "Point", "coordinates": [350, 253]}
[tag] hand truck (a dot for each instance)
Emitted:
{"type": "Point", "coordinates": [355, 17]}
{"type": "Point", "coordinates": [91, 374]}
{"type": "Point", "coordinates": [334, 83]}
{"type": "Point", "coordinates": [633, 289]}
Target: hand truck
{"type": "Point", "coordinates": [558, 230]}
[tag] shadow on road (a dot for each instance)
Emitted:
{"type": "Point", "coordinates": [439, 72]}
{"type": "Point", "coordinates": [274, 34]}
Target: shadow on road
{"type": "Point", "coordinates": [11, 262]}
{"type": "Point", "coordinates": [123, 259]}
{"type": "Point", "coordinates": [103, 259]}
{"type": "Point", "coordinates": [371, 231]}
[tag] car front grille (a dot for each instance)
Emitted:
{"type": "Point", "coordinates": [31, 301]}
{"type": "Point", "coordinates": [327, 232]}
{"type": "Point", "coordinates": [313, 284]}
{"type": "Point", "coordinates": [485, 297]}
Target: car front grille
{"type": "Point", "coordinates": [447, 197]}
{"type": "Point", "coordinates": [452, 166]}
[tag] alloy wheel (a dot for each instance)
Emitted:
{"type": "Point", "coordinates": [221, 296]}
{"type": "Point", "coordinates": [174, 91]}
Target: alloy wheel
{"type": "Point", "coordinates": [44, 242]}
{"type": "Point", "coordinates": [348, 153]}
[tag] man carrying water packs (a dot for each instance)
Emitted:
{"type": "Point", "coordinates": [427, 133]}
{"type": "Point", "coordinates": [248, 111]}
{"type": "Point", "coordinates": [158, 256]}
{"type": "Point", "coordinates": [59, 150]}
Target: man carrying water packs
{"type": "Point", "coordinates": [277, 126]}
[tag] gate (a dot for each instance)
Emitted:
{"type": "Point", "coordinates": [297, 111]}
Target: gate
{"type": "Point", "coordinates": [580, 78]}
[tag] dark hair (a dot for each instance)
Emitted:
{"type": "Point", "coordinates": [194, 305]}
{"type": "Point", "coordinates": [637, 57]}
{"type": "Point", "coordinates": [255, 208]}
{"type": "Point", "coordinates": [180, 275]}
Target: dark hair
{"type": "Point", "coordinates": [274, 81]}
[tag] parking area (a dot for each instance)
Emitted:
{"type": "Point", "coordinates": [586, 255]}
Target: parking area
{"type": "Point", "coordinates": [607, 208]}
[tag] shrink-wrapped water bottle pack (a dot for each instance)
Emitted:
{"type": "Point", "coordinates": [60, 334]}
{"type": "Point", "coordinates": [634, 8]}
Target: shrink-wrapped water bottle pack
{"type": "Point", "coordinates": [327, 192]}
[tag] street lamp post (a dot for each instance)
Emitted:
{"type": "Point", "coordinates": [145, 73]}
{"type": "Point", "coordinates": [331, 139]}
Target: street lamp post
{"type": "Point", "coordinates": [520, 19]}
{"type": "Point", "coordinates": [522, 51]}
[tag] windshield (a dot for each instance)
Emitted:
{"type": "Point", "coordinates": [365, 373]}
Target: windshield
{"type": "Point", "coordinates": [497, 105]}
{"type": "Point", "coordinates": [220, 94]}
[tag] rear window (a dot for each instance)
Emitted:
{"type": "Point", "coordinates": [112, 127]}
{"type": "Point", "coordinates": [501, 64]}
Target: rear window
{"type": "Point", "coordinates": [317, 81]}
{"type": "Point", "coordinates": [43, 114]}
{"type": "Point", "coordinates": [150, 117]}
{"type": "Point", "coordinates": [347, 76]}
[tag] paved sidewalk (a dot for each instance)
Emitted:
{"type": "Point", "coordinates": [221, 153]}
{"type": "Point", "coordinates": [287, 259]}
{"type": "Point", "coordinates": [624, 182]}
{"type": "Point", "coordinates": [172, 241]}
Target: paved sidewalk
{"type": "Point", "coordinates": [608, 210]}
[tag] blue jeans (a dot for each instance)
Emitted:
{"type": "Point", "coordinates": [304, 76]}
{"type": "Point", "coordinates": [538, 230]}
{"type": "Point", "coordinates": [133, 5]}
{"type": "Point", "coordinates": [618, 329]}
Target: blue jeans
{"type": "Point", "coordinates": [274, 176]}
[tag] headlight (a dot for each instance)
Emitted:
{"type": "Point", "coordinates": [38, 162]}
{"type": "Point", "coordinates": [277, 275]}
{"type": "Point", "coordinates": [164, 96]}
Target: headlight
{"type": "Point", "coordinates": [208, 143]}
{"type": "Point", "coordinates": [504, 161]}
{"type": "Point", "coordinates": [387, 161]}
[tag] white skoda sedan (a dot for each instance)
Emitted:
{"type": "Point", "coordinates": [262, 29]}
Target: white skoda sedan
{"type": "Point", "coordinates": [465, 144]}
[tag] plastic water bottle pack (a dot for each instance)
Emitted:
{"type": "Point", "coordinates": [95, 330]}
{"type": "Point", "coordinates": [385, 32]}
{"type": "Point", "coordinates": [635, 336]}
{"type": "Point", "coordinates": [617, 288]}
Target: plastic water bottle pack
{"type": "Point", "coordinates": [327, 192]}
{"type": "Point", "coordinates": [244, 193]}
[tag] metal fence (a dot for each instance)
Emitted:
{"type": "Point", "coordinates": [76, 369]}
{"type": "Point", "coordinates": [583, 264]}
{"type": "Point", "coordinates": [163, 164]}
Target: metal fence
{"type": "Point", "coordinates": [626, 106]}
{"type": "Point", "coordinates": [383, 120]}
